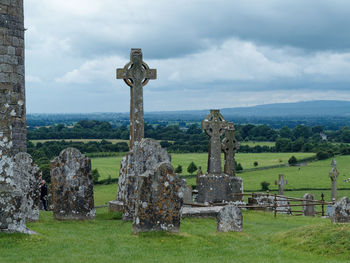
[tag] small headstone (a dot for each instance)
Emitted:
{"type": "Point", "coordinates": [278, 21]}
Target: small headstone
{"type": "Point", "coordinates": [72, 187]}
{"type": "Point", "coordinates": [341, 211]}
{"type": "Point", "coordinates": [188, 195]}
{"type": "Point", "coordinates": [144, 156]}
{"type": "Point", "coordinates": [281, 183]}
{"type": "Point", "coordinates": [159, 200]}
{"type": "Point", "coordinates": [230, 219]}
{"type": "Point", "coordinates": [333, 175]}
{"type": "Point", "coordinates": [309, 205]}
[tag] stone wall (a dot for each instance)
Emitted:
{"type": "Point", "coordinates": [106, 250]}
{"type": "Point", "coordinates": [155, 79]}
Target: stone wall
{"type": "Point", "coordinates": [12, 90]}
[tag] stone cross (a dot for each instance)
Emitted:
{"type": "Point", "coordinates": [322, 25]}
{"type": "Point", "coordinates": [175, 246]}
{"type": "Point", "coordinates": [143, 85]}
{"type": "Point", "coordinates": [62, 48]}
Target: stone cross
{"type": "Point", "coordinates": [333, 174]}
{"type": "Point", "coordinates": [214, 126]}
{"type": "Point", "coordinates": [281, 183]}
{"type": "Point", "coordinates": [229, 146]}
{"type": "Point", "coordinates": [136, 74]}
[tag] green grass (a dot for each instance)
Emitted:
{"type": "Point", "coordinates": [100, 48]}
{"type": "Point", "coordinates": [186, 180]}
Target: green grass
{"type": "Point", "coordinates": [253, 144]}
{"type": "Point", "coordinates": [109, 239]}
{"type": "Point", "coordinates": [110, 166]}
{"type": "Point", "coordinates": [314, 175]}
{"type": "Point", "coordinates": [79, 140]}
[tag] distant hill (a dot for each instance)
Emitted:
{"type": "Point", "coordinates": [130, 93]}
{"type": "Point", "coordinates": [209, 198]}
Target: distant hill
{"type": "Point", "coordinates": [330, 113]}
{"type": "Point", "coordinates": [317, 108]}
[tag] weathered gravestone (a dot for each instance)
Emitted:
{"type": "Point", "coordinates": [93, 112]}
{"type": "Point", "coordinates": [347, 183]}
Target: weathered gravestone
{"type": "Point", "coordinates": [216, 186]}
{"type": "Point", "coordinates": [309, 205]}
{"type": "Point", "coordinates": [159, 200]}
{"type": "Point", "coordinates": [229, 145]}
{"type": "Point", "coordinates": [144, 156]}
{"type": "Point", "coordinates": [230, 219]}
{"type": "Point", "coordinates": [341, 212]}
{"type": "Point", "coordinates": [281, 183]}
{"type": "Point", "coordinates": [333, 175]}
{"type": "Point", "coordinates": [136, 75]}
{"type": "Point", "coordinates": [28, 177]}
{"type": "Point", "coordinates": [72, 187]}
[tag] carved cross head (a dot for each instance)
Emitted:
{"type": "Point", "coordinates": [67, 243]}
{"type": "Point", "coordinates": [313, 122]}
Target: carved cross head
{"type": "Point", "coordinates": [214, 124]}
{"type": "Point", "coordinates": [136, 71]}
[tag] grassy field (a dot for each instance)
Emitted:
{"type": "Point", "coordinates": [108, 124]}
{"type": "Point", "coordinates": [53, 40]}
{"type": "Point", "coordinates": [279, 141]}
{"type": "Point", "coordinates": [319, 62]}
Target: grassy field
{"type": "Point", "coordinates": [110, 166]}
{"type": "Point", "coordinates": [81, 140]}
{"type": "Point", "coordinates": [109, 239]}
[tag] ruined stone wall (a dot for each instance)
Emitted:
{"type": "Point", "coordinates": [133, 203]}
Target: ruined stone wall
{"type": "Point", "coordinates": [12, 90]}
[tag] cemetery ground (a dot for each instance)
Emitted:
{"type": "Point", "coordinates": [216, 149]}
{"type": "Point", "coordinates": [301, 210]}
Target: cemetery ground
{"type": "Point", "coordinates": [264, 238]}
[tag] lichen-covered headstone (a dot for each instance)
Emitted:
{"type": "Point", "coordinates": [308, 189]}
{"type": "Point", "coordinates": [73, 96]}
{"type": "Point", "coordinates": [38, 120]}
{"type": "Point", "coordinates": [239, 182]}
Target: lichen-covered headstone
{"type": "Point", "coordinates": [341, 212]}
{"type": "Point", "coordinates": [144, 156]}
{"type": "Point", "coordinates": [72, 186]}
{"type": "Point", "coordinates": [159, 200]}
{"type": "Point", "coordinates": [309, 205]}
{"type": "Point", "coordinates": [28, 177]}
{"type": "Point", "coordinates": [230, 219]}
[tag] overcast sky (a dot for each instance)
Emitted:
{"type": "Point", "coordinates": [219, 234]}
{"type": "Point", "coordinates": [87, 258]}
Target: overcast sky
{"type": "Point", "coordinates": [208, 54]}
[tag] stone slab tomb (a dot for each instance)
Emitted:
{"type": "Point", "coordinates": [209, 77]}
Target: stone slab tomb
{"type": "Point", "coordinates": [230, 219]}
{"type": "Point", "coordinates": [266, 202]}
{"type": "Point", "coordinates": [308, 205]}
{"type": "Point", "coordinates": [72, 187]}
{"type": "Point", "coordinates": [216, 186]}
{"type": "Point", "coordinates": [341, 212]}
{"type": "Point", "coordinates": [159, 200]}
{"type": "Point", "coordinates": [145, 156]}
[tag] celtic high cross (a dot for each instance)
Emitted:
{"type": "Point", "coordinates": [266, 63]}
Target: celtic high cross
{"type": "Point", "coordinates": [229, 147]}
{"type": "Point", "coordinates": [281, 183]}
{"type": "Point", "coordinates": [214, 126]}
{"type": "Point", "coordinates": [136, 74]}
{"type": "Point", "coordinates": [333, 175]}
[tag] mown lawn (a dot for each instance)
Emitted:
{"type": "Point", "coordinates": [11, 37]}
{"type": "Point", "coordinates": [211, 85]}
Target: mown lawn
{"type": "Point", "coordinates": [109, 239]}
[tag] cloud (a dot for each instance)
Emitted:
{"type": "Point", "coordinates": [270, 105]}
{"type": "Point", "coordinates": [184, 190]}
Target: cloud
{"type": "Point", "coordinates": [220, 51]}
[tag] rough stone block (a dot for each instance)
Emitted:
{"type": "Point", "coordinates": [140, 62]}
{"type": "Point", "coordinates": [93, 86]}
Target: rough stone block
{"type": "Point", "coordinates": [159, 200]}
{"type": "Point", "coordinates": [72, 187]}
{"type": "Point", "coordinates": [230, 219]}
{"type": "Point", "coordinates": [341, 211]}
{"type": "Point", "coordinates": [219, 188]}
{"type": "Point", "coordinates": [115, 206]}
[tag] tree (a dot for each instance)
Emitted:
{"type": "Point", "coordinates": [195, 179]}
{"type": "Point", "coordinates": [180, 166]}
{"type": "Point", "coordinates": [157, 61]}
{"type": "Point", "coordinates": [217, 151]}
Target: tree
{"type": "Point", "coordinates": [283, 145]}
{"type": "Point", "coordinates": [239, 167]}
{"type": "Point", "coordinates": [95, 175]}
{"type": "Point", "coordinates": [256, 164]}
{"type": "Point", "coordinates": [292, 160]}
{"type": "Point", "coordinates": [178, 169]}
{"type": "Point", "coordinates": [265, 186]}
{"type": "Point", "coordinates": [191, 168]}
